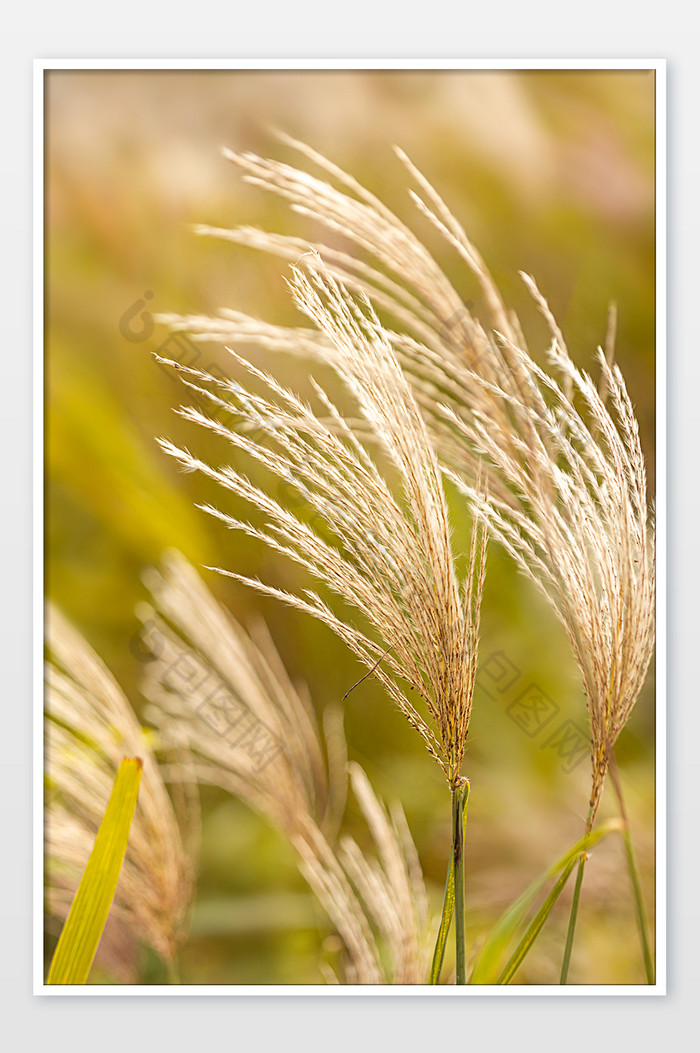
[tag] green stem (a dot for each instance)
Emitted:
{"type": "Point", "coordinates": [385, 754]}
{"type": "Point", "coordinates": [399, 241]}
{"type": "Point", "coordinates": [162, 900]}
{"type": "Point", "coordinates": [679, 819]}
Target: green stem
{"type": "Point", "coordinates": [574, 905]}
{"type": "Point", "coordinates": [634, 876]}
{"type": "Point", "coordinates": [448, 907]}
{"type": "Point", "coordinates": [448, 901]}
{"type": "Point", "coordinates": [459, 795]}
{"type": "Point", "coordinates": [572, 919]}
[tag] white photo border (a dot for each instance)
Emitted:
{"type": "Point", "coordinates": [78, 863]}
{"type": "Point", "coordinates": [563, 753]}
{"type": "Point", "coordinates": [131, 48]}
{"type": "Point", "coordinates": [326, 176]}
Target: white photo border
{"type": "Point", "coordinates": [44, 66]}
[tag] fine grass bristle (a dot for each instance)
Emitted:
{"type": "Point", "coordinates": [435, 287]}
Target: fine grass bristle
{"type": "Point", "coordinates": [560, 456]}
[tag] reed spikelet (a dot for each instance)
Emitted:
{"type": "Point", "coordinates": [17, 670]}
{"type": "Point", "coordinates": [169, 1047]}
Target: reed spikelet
{"type": "Point", "coordinates": [390, 558]}
{"type": "Point", "coordinates": [579, 531]}
{"type": "Point", "coordinates": [90, 726]}
{"type": "Point", "coordinates": [562, 459]}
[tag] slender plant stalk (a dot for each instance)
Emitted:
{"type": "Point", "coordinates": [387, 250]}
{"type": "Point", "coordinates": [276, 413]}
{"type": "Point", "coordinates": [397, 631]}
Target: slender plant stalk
{"type": "Point", "coordinates": [459, 797]}
{"type": "Point", "coordinates": [574, 906]}
{"type": "Point", "coordinates": [572, 919]}
{"type": "Point", "coordinates": [448, 901]}
{"type": "Point", "coordinates": [634, 875]}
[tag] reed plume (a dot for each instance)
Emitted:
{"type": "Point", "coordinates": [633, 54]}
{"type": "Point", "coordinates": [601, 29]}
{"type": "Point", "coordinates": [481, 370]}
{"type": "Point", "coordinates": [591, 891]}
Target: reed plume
{"type": "Point", "coordinates": [389, 557]}
{"type": "Point", "coordinates": [223, 694]}
{"type": "Point", "coordinates": [561, 456]}
{"type": "Point", "coordinates": [206, 677]}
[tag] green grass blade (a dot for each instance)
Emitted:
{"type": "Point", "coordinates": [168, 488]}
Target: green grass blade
{"type": "Point", "coordinates": [448, 907]}
{"type": "Point", "coordinates": [82, 931]}
{"type": "Point", "coordinates": [533, 929]}
{"type": "Point", "coordinates": [573, 916]}
{"type": "Point", "coordinates": [489, 967]}
{"type": "Point", "coordinates": [448, 903]}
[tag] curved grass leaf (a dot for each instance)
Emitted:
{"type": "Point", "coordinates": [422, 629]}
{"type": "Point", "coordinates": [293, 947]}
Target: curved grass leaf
{"type": "Point", "coordinates": [489, 967]}
{"type": "Point", "coordinates": [82, 931]}
{"type": "Point", "coordinates": [533, 929]}
{"type": "Point", "coordinates": [448, 908]}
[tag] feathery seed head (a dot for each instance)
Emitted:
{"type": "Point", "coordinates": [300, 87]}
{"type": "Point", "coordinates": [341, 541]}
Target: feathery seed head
{"type": "Point", "coordinates": [390, 557]}
{"type": "Point", "coordinates": [561, 458]}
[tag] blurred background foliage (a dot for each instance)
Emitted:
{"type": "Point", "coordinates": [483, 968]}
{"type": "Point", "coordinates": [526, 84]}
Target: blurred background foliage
{"type": "Point", "coordinates": [551, 173]}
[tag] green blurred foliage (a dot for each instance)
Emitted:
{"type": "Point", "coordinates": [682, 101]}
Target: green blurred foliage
{"type": "Point", "coordinates": [551, 173]}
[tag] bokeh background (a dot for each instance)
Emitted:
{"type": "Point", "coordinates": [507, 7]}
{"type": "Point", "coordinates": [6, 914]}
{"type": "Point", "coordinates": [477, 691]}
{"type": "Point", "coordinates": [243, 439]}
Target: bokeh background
{"type": "Point", "coordinates": [551, 173]}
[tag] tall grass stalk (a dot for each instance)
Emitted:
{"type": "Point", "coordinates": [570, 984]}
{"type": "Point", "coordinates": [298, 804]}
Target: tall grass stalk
{"type": "Point", "coordinates": [460, 796]}
{"type": "Point", "coordinates": [634, 875]}
{"type": "Point", "coordinates": [448, 903]}
{"type": "Point", "coordinates": [573, 914]}
{"type": "Point", "coordinates": [635, 879]}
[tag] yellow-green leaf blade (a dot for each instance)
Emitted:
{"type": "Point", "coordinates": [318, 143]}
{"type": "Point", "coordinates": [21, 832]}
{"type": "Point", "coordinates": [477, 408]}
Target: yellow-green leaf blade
{"type": "Point", "coordinates": [488, 967]}
{"type": "Point", "coordinates": [82, 931]}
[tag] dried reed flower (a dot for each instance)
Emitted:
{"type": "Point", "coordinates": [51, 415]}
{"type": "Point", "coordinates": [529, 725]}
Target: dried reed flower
{"type": "Point", "coordinates": [579, 530]}
{"type": "Point", "coordinates": [223, 694]}
{"type": "Point", "coordinates": [563, 460]}
{"type": "Point", "coordinates": [389, 558]}
{"type": "Point", "coordinates": [90, 726]}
